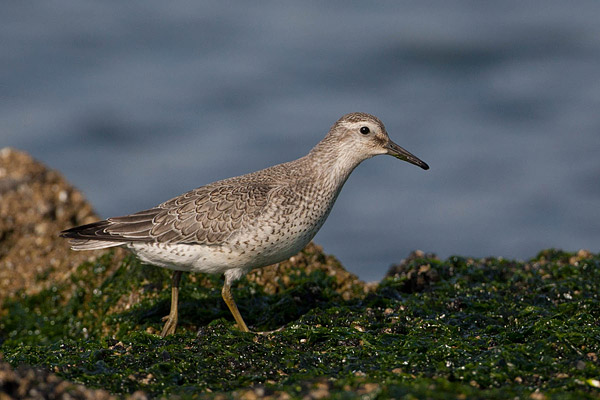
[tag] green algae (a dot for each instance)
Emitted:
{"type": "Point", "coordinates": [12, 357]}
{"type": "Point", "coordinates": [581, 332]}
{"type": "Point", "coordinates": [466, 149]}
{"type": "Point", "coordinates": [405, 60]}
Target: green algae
{"type": "Point", "coordinates": [489, 328]}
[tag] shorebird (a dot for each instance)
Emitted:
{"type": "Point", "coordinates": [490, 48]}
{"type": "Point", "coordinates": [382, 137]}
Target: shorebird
{"type": "Point", "coordinates": [235, 225]}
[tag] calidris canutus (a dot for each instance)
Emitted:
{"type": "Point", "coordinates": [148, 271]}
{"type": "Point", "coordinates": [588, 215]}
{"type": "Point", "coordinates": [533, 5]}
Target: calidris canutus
{"type": "Point", "coordinates": [250, 221]}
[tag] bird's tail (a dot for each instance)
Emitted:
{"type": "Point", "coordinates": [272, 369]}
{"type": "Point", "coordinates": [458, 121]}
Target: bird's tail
{"type": "Point", "coordinates": [89, 237]}
{"type": "Point", "coordinates": [90, 244]}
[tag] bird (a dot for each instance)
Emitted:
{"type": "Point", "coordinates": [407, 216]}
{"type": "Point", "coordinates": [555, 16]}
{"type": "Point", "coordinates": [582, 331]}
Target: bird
{"type": "Point", "coordinates": [234, 225]}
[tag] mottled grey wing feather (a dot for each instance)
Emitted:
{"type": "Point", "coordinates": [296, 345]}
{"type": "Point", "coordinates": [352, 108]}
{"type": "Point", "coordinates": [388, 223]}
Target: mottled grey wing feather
{"type": "Point", "coordinates": [207, 215]}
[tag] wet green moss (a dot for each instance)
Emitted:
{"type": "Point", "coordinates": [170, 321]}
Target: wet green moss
{"type": "Point", "coordinates": [488, 328]}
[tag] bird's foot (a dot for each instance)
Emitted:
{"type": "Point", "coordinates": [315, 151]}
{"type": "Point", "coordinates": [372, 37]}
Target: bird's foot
{"type": "Point", "coordinates": [170, 325]}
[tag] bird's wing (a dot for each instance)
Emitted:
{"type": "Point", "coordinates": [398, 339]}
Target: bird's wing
{"type": "Point", "coordinates": [207, 215]}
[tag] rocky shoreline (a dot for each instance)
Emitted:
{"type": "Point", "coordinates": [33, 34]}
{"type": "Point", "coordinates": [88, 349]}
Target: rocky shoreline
{"type": "Point", "coordinates": [465, 328]}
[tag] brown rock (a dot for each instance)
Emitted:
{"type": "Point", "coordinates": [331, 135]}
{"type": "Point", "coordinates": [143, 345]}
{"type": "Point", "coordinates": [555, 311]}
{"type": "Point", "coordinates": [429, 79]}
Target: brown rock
{"type": "Point", "coordinates": [32, 383]}
{"type": "Point", "coordinates": [36, 203]}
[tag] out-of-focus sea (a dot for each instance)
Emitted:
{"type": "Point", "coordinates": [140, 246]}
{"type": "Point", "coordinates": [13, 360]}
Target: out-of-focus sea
{"type": "Point", "coordinates": [136, 102]}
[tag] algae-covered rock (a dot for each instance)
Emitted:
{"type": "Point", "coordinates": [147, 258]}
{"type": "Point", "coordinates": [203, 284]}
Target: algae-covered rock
{"type": "Point", "coordinates": [416, 271]}
{"type": "Point", "coordinates": [484, 328]}
{"type": "Point", "coordinates": [275, 278]}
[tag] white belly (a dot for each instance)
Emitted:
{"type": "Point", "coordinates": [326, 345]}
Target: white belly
{"type": "Point", "coordinates": [242, 254]}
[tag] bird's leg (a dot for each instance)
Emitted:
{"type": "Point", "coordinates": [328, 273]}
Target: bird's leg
{"type": "Point", "coordinates": [226, 294]}
{"type": "Point", "coordinates": [171, 323]}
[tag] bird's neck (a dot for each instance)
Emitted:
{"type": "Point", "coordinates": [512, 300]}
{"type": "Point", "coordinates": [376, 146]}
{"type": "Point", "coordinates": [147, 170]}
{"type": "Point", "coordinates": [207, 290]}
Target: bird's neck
{"type": "Point", "coordinates": [332, 164]}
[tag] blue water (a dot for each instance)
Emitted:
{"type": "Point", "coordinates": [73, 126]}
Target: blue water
{"type": "Point", "coordinates": [139, 101]}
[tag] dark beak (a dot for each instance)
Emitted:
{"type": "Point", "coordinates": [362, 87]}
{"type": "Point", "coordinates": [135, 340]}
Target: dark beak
{"type": "Point", "coordinates": [394, 150]}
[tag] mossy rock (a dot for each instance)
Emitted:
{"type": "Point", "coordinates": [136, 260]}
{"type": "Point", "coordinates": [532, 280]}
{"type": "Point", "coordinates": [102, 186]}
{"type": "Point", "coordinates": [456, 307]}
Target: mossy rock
{"type": "Point", "coordinates": [482, 328]}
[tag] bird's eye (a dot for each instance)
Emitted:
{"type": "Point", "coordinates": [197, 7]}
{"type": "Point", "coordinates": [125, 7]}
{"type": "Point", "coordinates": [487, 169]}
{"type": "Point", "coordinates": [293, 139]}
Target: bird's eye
{"type": "Point", "coordinates": [365, 130]}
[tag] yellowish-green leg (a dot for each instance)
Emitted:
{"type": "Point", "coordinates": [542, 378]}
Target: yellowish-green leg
{"type": "Point", "coordinates": [226, 293]}
{"type": "Point", "coordinates": [171, 323]}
